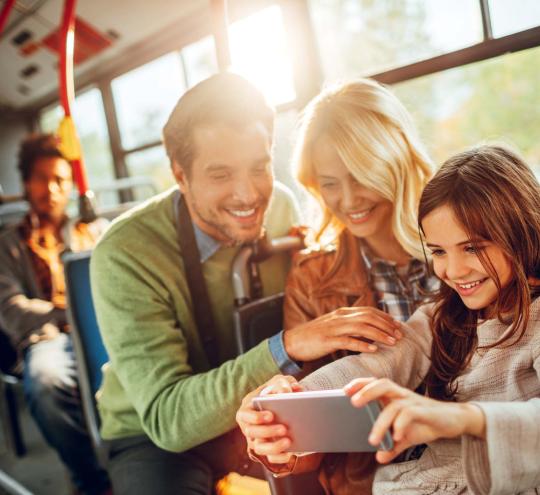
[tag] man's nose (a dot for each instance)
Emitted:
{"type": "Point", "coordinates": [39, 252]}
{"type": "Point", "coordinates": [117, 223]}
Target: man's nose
{"type": "Point", "coordinates": [53, 187]}
{"type": "Point", "coordinates": [246, 191]}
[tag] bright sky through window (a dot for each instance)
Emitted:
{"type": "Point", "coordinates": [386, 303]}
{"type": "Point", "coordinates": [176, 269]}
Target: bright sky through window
{"type": "Point", "coordinates": [259, 53]}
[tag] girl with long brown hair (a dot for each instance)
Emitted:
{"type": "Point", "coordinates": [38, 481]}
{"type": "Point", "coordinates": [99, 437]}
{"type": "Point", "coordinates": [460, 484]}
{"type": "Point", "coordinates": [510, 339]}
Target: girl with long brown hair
{"type": "Point", "coordinates": [476, 347]}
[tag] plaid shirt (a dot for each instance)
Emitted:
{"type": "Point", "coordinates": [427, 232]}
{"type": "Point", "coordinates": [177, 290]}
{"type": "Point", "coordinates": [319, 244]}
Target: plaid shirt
{"type": "Point", "coordinates": [399, 291]}
{"type": "Point", "coordinates": [45, 252]}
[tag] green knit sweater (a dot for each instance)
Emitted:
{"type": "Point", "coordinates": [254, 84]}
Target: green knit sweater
{"type": "Point", "coordinates": [158, 380]}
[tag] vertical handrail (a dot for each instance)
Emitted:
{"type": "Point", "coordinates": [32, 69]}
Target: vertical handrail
{"type": "Point", "coordinates": [70, 143]}
{"type": "Point", "coordinates": [221, 34]}
{"type": "Point", "coordinates": [487, 28]}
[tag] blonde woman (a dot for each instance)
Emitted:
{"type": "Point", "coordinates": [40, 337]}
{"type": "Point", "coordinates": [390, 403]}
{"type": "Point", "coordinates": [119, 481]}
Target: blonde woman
{"type": "Point", "coordinates": [359, 155]}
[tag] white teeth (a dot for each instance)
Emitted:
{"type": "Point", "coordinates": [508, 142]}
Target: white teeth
{"type": "Point", "coordinates": [470, 285]}
{"type": "Point", "coordinates": [359, 215]}
{"type": "Point", "coordinates": [242, 213]}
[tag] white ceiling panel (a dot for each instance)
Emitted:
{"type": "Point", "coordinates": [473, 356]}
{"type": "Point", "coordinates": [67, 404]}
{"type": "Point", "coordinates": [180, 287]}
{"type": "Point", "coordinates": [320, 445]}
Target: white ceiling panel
{"type": "Point", "coordinates": [132, 20]}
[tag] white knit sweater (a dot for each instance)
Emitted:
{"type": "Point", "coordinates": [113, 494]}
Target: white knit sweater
{"type": "Point", "coordinates": [503, 381]}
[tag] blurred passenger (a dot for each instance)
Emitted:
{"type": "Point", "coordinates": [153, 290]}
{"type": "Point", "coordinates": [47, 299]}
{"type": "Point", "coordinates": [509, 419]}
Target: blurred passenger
{"type": "Point", "coordinates": [33, 306]}
{"type": "Point", "coordinates": [359, 155]}
{"type": "Point", "coordinates": [164, 405]}
{"type": "Point", "coordinates": [477, 347]}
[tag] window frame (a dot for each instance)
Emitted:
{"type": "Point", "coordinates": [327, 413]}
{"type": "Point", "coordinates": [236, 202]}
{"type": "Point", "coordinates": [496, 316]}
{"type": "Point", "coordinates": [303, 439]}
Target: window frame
{"type": "Point", "coordinates": [307, 67]}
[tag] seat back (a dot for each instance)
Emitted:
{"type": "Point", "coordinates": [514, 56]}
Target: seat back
{"type": "Point", "coordinates": [89, 349]}
{"type": "Point", "coordinates": [257, 320]}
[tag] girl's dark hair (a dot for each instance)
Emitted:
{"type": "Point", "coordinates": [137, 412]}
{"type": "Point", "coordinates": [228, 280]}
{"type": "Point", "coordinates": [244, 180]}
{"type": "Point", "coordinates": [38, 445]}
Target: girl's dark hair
{"type": "Point", "coordinates": [496, 197]}
{"type": "Point", "coordinates": [33, 148]}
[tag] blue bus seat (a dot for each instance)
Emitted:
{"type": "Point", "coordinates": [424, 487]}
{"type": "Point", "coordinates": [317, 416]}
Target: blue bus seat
{"type": "Point", "coordinates": [89, 349]}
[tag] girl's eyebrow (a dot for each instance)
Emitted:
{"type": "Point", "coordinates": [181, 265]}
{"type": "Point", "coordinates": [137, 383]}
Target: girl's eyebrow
{"type": "Point", "coordinates": [462, 243]}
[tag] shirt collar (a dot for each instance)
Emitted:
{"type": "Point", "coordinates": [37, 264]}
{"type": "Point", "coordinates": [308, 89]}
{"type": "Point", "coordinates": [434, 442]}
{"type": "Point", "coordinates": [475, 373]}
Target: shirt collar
{"type": "Point", "coordinates": [207, 245]}
{"type": "Point", "coordinates": [416, 268]}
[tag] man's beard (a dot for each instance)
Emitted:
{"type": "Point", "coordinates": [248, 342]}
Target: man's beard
{"type": "Point", "coordinates": [228, 233]}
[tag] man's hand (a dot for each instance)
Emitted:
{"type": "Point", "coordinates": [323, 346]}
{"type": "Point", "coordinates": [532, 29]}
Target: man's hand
{"type": "Point", "coordinates": [340, 330]}
{"type": "Point", "coordinates": [48, 332]}
{"type": "Point", "coordinates": [412, 418]}
{"type": "Point", "coordinates": [264, 437]}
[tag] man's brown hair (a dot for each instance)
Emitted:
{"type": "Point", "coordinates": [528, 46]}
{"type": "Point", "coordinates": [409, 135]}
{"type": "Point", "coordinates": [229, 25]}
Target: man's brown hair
{"type": "Point", "coordinates": [33, 148]}
{"type": "Point", "coordinates": [221, 99]}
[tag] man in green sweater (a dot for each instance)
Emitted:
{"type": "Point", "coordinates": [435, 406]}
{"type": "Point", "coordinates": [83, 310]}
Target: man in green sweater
{"type": "Point", "coordinates": [164, 408]}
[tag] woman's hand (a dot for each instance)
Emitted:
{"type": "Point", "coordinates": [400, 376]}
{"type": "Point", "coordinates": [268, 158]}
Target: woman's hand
{"type": "Point", "coordinates": [411, 418]}
{"type": "Point", "coordinates": [340, 330]}
{"type": "Point", "coordinates": [264, 437]}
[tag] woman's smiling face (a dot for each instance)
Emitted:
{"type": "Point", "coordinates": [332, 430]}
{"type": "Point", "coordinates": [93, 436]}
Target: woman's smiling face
{"type": "Point", "coordinates": [364, 212]}
{"type": "Point", "coordinates": [456, 261]}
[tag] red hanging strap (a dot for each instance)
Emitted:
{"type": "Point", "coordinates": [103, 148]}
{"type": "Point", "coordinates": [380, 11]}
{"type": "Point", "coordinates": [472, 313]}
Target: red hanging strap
{"type": "Point", "coordinates": [69, 140]}
{"type": "Point", "coordinates": [6, 9]}
{"type": "Point", "coordinates": [70, 143]}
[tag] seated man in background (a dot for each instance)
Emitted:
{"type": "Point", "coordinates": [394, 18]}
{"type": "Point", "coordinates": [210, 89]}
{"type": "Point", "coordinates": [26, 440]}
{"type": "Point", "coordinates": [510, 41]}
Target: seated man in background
{"type": "Point", "coordinates": [33, 306]}
{"type": "Point", "coordinates": [166, 406]}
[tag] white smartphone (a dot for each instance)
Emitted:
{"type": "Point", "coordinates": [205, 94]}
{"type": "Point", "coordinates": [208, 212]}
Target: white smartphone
{"type": "Point", "coordinates": [324, 421]}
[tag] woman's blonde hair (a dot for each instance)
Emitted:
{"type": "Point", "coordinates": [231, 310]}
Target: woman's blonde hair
{"type": "Point", "coordinates": [375, 137]}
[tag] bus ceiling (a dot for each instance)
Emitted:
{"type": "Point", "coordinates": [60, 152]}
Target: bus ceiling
{"type": "Point", "coordinates": [105, 32]}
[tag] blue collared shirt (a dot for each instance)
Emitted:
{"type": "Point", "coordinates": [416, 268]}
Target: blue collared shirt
{"type": "Point", "coordinates": [208, 246]}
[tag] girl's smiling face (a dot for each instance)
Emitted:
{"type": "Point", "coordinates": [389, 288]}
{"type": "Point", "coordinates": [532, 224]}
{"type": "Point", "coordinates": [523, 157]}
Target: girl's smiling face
{"type": "Point", "coordinates": [456, 261]}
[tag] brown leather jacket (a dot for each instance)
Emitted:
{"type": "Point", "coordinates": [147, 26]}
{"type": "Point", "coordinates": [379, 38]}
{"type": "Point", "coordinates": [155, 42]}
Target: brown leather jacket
{"type": "Point", "coordinates": [321, 281]}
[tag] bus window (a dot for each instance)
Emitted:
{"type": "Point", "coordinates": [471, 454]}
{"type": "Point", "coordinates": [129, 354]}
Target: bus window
{"type": "Point", "coordinates": [260, 53]}
{"type": "Point", "coordinates": [360, 38]}
{"type": "Point", "coordinates": [496, 99]}
{"type": "Point", "coordinates": [92, 129]}
{"type": "Point", "coordinates": [144, 97]}
{"type": "Point", "coordinates": [507, 19]}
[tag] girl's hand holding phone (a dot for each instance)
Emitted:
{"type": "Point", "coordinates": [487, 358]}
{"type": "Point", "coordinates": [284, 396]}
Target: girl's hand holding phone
{"type": "Point", "coordinates": [413, 418]}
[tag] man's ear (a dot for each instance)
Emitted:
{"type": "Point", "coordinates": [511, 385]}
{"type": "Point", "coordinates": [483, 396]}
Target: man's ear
{"type": "Point", "coordinates": [25, 190]}
{"type": "Point", "coordinates": [180, 176]}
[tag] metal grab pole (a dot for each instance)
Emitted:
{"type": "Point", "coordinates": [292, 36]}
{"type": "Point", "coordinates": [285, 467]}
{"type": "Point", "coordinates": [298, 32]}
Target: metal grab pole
{"type": "Point", "coordinates": [221, 34]}
{"type": "Point", "coordinates": [70, 143]}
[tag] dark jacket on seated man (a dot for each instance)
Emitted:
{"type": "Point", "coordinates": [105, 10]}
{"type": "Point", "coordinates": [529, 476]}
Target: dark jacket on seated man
{"type": "Point", "coordinates": [32, 290]}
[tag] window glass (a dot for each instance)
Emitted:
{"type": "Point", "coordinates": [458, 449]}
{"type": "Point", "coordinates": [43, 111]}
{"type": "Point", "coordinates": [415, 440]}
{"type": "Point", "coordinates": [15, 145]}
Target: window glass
{"type": "Point", "coordinates": [363, 37]}
{"type": "Point", "coordinates": [200, 60]}
{"type": "Point", "coordinates": [284, 138]}
{"type": "Point", "coordinates": [285, 135]}
{"type": "Point", "coordinates": [151, 164]}
{"type": "Point", "coordinates": [145, 97]}
{"type": "Point", "coordinates": [496, 99]}
{"type": "Point", "coordinates": [50, 118]}
{"type": "Point", "coordinates": [260, 53]}
{"type": "Point", "coordinates": [508, 16]}
{"type": "Point", "coordinates": [89, 118]}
